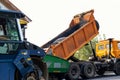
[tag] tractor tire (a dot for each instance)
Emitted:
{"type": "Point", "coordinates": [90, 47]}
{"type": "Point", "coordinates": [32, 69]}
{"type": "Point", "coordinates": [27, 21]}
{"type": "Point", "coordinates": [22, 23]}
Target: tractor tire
{"type": "Point", "coordinates": [74, 72]}
{"type": "Point", "coordinates": [117, 68]}
{"type": "Point", "coordinates": [18, 76]}
{"type": "Point", "coordinates": [88, 70]}
{"type": "Point", "coordinates": [39, 65]}
{"type": "Point", "coordinates": [42, 66]}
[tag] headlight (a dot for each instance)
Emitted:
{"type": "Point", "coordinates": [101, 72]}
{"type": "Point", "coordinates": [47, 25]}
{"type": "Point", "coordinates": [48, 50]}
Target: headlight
{"type": "Point", "coordinates": [24, 52]}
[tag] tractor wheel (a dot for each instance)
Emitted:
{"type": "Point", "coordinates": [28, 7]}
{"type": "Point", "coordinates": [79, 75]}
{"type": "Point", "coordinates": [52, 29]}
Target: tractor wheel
{"type": "Point", "coordinates": [88, 70]}
{"type": "Point", "coordinates": [39, 66]}
{"type": "Point", "coordinates": [117, 68]}
{"type": "Point", "coordinates": [42, 66]}
{"type": "Point", "coordinates": [33, 75]}
{"type": "Point", "coordinates": [74, 72]}
{"type": "Point", "coordinates": [18, 76]}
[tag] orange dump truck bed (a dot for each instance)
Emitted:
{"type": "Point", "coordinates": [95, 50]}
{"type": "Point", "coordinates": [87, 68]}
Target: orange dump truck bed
{"type": "Point", "coordinates": [82, 29]}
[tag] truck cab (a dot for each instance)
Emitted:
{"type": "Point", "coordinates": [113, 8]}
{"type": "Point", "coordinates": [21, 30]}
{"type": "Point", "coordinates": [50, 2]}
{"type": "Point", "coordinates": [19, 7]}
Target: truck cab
{"type": "Point", "coordinates": [103, 49]}
{"type": "Point", "coordinates": [10, 32]}
{"type": "Point", "coordinates": [19, 59]}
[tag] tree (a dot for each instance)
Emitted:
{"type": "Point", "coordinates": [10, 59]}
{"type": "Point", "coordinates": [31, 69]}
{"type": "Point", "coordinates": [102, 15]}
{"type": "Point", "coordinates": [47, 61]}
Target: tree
{"type": "Point", "coordinates": [86, 51]}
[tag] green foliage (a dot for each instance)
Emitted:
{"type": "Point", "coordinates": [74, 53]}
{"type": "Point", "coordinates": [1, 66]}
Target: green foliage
{"type": "Point", "coordinates": [86, 51]}
{"type": "Point", "coordinates": [83, 53]}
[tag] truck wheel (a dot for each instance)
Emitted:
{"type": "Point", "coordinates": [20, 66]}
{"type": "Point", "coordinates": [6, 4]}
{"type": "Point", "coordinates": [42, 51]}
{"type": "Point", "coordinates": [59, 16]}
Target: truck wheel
{"type": "Point", "coordinates": [74, 72]}
{"type": "Point", "coordinates": [88, 70]}
{"type": "Point", "coordinates": [117, 68]}
{"type": "Point", "coordinates": [100, 72]}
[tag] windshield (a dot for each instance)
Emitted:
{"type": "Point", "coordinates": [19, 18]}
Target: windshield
{"type": "Point", "coordinates": [9, 35]}
{"type": "Point", "coordinates": [8, 29]}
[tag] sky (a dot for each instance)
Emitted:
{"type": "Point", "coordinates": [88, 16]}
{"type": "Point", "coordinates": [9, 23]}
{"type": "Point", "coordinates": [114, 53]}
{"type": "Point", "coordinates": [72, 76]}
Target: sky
{"type": "Point", "coordinates": [51, 17]}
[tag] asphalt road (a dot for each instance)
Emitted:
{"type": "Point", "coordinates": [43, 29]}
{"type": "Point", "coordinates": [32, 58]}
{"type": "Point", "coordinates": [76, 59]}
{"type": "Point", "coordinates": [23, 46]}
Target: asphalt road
{"type": "Point", "coordinates": [107, 76]}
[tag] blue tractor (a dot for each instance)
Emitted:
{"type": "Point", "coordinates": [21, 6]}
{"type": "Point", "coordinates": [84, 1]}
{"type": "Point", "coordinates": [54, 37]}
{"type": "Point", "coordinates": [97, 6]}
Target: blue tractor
{"type": "Point", "coordinates": [19, 59]}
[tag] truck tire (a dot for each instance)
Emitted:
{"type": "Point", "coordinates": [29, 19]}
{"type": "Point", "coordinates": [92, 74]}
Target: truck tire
{"type": "Point", "coordinates": [88, 70]}
{"type": "Point", "coordinates": [117, 68]}
{"type": "Point", "coordinates": [74, 72]}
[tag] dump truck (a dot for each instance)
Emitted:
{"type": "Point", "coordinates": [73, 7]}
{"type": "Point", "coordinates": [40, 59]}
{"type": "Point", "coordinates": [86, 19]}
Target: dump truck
{"type": "Point", "coordinates": [61, 49]}
{"type": "Point", "coordinates": [108, 53]}
{"type": "Point", "coordinates": [19, 59]}
{"type": "Point", "coordinates": [106, 48]}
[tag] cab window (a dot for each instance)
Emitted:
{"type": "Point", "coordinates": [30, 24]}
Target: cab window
{"type": "Point", "coordinates": [100, 47]}
{"type": "Point", "coordinates": [8, 29]}
{"type": "Point", "coordinates": [8, 32]}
